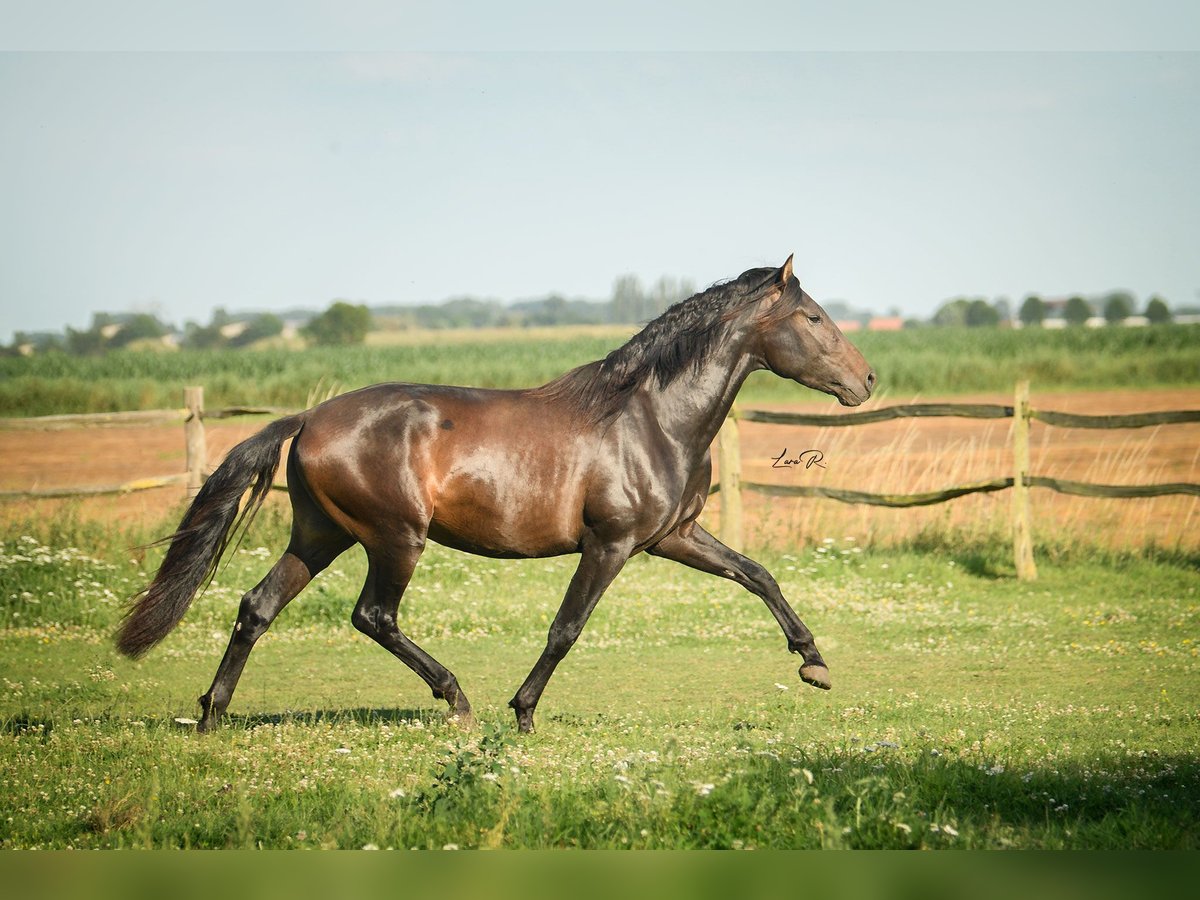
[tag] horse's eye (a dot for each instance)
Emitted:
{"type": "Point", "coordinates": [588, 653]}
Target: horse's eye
{"type": "Point", "coordinates": [816, 320]}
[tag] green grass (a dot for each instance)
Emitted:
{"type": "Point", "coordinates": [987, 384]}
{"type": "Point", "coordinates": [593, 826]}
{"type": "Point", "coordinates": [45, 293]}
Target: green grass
{"type": "Point", "coordinates": [921, 361]}
{"type": "Point", "coordinates": [968, 710]}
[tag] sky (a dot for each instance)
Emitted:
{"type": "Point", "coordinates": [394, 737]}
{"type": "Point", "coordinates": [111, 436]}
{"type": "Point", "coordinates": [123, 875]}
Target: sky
{"type": "Point", "coordinates": [267, 179]}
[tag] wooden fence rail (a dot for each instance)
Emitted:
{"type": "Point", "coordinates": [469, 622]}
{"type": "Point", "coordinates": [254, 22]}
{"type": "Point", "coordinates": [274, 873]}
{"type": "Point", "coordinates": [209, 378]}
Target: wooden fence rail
{"type": "Point", "coordinates": [730, 483]}
{"type": "Point", "coordinates": [192, 414]}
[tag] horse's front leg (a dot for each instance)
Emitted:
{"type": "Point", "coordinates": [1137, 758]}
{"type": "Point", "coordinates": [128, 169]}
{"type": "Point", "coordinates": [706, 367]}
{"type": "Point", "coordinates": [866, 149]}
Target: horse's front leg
{"type": "Point", "coordinates": [599, 566]}
{"type": "Point", "coordinates": [700, 550]}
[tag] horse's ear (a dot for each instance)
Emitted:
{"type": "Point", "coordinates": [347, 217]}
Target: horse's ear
{"type": "Point", "coordinates": [784, 275]}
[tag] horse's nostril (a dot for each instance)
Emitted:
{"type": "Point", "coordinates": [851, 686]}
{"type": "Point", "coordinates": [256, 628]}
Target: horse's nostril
{"type": "Point", "coordinates": [870, 380]}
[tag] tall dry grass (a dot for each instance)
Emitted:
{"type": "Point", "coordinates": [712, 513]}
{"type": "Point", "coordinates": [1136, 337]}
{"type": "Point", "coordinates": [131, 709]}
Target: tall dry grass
{"type": "Point", "coordinates": [916, 456]}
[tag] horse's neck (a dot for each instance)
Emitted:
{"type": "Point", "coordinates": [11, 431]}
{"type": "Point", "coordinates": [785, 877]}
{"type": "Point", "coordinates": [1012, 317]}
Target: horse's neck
{"type": "Point", "coordinates": [692, 408]}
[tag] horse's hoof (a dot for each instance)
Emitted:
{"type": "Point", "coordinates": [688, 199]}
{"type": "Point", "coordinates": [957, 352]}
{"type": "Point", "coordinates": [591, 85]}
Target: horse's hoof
{"type": "Point", "coordinates": [817, 676]}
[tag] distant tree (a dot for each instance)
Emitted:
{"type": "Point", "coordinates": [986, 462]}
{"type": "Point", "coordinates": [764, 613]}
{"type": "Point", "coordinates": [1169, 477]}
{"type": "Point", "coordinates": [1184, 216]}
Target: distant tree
{"type": "Point", "coordinates": [953, 312]}
{"type": "Point", "coordinates": [141, 327]}
{"type": "Point", "coordinates": [558, 310]}
{"type": "Point", "coordinates": [980, 313]}
{"type": "Point", "coordinates": [1003, 310]}
{"type": "Point", "coordinates": [1157, 311]}
{"type": "Point", "coordinates": [627, 300]}
{"type": "Point", "coordinates": [202, 337]}
{"type": "Point", "coordinates": [459, 312]}
{"type": "Point", "coordinates": [1118, 306]}
{"type": "Point", "coordinates": [1077, 311]}
{"type": "Point", "coordinates": [86, 343]}
{"type": "Point", "coordinates": [264, 326]}
{"type": "Point", "coordinates": [665, 293]}
{"type": "Point", "coordinates": [550, 311]}
{"type": "Point", "coordinates": [342, 324]}
{"type": "Point", "coordinates": [1033, 310]}
{"type": "Point", "coordinates": [39, 341]}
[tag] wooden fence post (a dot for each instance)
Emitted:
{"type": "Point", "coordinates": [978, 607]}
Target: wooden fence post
{"type": "Point", "coordinates": [1022, 517]}
{"type": "Point", "coordinates": [193, 434]}
{"type": "Point", "coordinates": [730, 474]}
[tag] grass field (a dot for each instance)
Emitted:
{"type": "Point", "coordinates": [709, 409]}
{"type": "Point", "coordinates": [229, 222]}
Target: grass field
{"type": "Point", "coordinates": [968, 709]}
{"type": "Point", "coordinates": [920, 361]}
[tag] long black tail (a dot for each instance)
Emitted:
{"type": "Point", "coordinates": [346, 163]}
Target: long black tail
{"type": "Point", "coordinates": [203, 535]}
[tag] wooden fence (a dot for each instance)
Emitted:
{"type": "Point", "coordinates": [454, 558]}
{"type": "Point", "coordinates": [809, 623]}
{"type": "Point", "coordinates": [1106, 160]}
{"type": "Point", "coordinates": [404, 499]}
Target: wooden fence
{"type": "Point", "coordinates": [192, 414]}
{"type": "Point", "coordinates": [730, 484]}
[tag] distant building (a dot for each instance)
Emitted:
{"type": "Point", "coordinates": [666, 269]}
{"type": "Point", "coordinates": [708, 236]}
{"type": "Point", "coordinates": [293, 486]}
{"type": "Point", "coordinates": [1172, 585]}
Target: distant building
{"type": "Point", "coordinates": [871, 323]}
{"type": "Point", "coordinates": [231, 330]}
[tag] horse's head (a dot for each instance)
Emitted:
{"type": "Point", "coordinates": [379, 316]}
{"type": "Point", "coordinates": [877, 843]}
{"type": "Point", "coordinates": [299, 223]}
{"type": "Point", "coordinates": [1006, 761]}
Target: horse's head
{"type": "Point", "coordinates": [798, 340]}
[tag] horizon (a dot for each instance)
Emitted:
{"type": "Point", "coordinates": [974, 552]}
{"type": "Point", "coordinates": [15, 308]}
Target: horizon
{"type": "Point", "coordinates": [1054, 308]}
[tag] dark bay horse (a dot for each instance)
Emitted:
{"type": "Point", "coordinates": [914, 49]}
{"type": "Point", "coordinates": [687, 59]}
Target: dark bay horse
{"type": "Point", "coordinates": [609, 460]}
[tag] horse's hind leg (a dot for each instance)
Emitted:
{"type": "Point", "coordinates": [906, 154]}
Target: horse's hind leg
{"type": "Point", "coordinates": [388, 574]}
{"type": "Point", "coordinates": [309, 553]}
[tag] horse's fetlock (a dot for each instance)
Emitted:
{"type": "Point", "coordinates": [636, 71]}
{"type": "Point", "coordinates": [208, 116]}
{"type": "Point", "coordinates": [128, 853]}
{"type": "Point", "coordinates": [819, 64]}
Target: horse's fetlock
{"type": "Point", "coordinates": [448, 691]}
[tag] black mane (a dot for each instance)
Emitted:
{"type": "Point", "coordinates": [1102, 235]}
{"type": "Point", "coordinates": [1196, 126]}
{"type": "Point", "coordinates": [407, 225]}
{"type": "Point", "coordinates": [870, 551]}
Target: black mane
{"type": "Point", "coordinates": [680, 339]}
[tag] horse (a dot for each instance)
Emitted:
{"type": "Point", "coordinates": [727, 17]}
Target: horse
{"type": "Point", "coordinates": [607, 461]}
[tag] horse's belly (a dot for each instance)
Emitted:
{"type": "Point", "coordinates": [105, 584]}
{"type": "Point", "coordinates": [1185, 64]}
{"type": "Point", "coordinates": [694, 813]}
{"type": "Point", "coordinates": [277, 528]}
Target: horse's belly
{"type": "Point", "coordinates": [510, 517]}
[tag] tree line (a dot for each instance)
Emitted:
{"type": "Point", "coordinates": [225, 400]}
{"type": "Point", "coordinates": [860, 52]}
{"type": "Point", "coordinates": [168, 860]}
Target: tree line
{"type": "Point", "coordinates": [631, 303]}
{"type": "Point", "coordinates": [1115, 307]}
{"type": "Point", "coordinates": [344, 322]}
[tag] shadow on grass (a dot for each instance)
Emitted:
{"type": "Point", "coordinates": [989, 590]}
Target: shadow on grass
{"type": "Point", "coordinates": [991, 558]}
{"type": "Point", "coordinates": [26, 726]}
{"type": "Point", "coordinates": [889, 800]}
{"type": "Point", "coordinates": [828, 800]}
{"type": "Point", "coordinates": [361, 715]}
